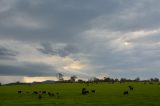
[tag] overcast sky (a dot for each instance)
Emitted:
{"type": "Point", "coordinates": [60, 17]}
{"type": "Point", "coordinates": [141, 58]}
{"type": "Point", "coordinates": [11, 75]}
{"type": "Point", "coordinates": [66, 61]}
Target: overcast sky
{"type": "Point", "coordinates": [87, 38]}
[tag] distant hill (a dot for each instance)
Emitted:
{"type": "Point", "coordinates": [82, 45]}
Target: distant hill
{"type": "Point", "coordinates": [23, 83]}
{"type": "Point", "coordinates": [44, 82]}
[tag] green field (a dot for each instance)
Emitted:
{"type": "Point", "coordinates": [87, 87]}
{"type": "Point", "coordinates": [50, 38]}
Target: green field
{"type": "Point", "coordinates": [70, 95]}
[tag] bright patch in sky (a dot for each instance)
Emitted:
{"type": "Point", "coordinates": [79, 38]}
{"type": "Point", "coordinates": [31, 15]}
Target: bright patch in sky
{"type": "Point", "coordinates": [126, 43]}
{"type": "Point", "coordinates": [76, 65]}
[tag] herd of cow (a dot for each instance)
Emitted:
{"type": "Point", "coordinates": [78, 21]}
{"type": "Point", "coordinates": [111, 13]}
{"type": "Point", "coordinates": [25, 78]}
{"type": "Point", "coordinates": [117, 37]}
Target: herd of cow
{"type": "Point", "coordinates": [131, 88]}
{"type": "Point", "coordinates": [84, 91]}
{"type": "Point", "coordinates": [126, 92]}
{"type": "Point", "coordinates": [40, 93]}
{"type": "Point", "coordinates": [51, 94]}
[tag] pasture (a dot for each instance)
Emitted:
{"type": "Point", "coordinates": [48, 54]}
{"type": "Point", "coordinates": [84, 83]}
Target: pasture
{"type": "Point", "coordinates": [106, 94]}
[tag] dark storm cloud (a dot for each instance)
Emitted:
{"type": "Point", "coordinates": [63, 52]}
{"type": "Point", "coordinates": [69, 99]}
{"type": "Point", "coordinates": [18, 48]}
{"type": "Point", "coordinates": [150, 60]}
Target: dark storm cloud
{"type": "Point", "coordinates": [53, 20]}
{"type": "Point", "coordinates": [6, 53]}
{"type": "Point", "coordinates": [47, 49]}
{"type": "Point", "coordinates": [62, 21]}
{"type": "Point", "coordinates": [28, 69]}
{"type": "Point", "coordinates": [135, 15]}
{"type": "Point", "coordinates": [63, 51]}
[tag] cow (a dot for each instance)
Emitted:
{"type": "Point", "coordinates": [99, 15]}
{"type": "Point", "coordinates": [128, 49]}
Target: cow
{"type": "Point", "coordinates": [43, 92]}
{"type": "Point", "coordinates": [51, 94]}
{"type": "Point", "coordinates": [125, 93]}
{"type": "Point", "coordinates": [130, 87]}
{"type": "Point", "coordinates": [35, 92]}
{"type": "Point", "coordinates": [19, 92]}
{"type": "Point", "coordinates": [85, 91]}
{"type": "Point", "coordinates": [93, 91]}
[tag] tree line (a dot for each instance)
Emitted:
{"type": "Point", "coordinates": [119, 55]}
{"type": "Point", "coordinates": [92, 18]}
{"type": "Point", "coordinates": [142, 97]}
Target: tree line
{"type": "Point", "coordinates": [74, 79]}
{"type": "Point", "coordinates": [105, 79]}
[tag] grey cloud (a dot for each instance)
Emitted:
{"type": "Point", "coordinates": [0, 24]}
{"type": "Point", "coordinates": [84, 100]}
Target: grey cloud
{"type": "Point", "coordinates": [65, 22]}
{"type": "Point", "coordinates": [140, 15]}
{"type": "Point", "coordinates": [28, 69]}
{"type": "Point", "coordinates": [63, 51]}
{"type": "Point", "coordinates": [6, 53]}
{"type": "Point", "coordinates": [47, 49]}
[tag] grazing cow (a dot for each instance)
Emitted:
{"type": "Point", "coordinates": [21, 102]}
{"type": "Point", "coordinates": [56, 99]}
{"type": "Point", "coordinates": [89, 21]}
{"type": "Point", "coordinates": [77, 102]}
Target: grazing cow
{"type": "Point", "coordinates": [43, 92]}
{"type": "Point", "coordinates": [35, 92]}
{"type": "Point", "coordinates": [125, 93]}
{"type": "Point", "coordinates": [87, 91]}
{"type": "Point", "coordinates": [84, 91]}
{"type": "Point", "coordinates": [130, 87]}
{"type": "Point", "coordinates": [19, 92]}
{"type": "Point", "coordinates": [51, 94]}
{"type": "Point", "coordinates": [93, 91]}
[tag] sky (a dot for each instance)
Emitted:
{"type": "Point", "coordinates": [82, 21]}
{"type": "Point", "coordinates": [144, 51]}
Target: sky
{"type": "Point", "coordinates": [86, 38]}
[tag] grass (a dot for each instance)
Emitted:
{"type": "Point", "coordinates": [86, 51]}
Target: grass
{"type": "Point", "coordinates": [70, 94]}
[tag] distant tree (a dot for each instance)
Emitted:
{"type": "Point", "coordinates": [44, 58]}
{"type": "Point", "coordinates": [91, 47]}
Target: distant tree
{"type": "Point", "coordinates": [94, 79]}
{"type": "Point", "coordinates": [108, 79]}
{"type": "Point", "coordinates": [104, 78]}
{"type": "Point", "coordinates": [73, 78]}
{"type": "Point", "coordinates": [116, 80]}
{"type": "Point", "coordinates": [60, 77]}
{"type": "Point", "coordinates": [80, 80]}
{"type": "Point", "coordinates": [123, 80]}
{"type": "Point", "coordinates": [151, 79]}
{"type": "Point", "coordinates": [137, 79]}
{"type": "Point", "coordinates": [17, 82]}
{"type": "Point", "coordinates": [0, 84]}
{"type": "Point", "coordinates": [154, 80]}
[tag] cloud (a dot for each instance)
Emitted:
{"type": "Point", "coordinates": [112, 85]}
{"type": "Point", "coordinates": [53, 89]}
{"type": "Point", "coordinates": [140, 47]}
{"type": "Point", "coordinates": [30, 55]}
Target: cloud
{"type": "Point", "coordinates": [58, 22]}
{"type": "Point", "coordinates": [107, 37]}
{"type": "Point", "coordinates": [28, 69]}
{"type": "Point", "coordinates": [6, 53]}
{"type": "Point", "coordinates": [60, 50]}
{"type": "Point", "coordinates": [6, 5]}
